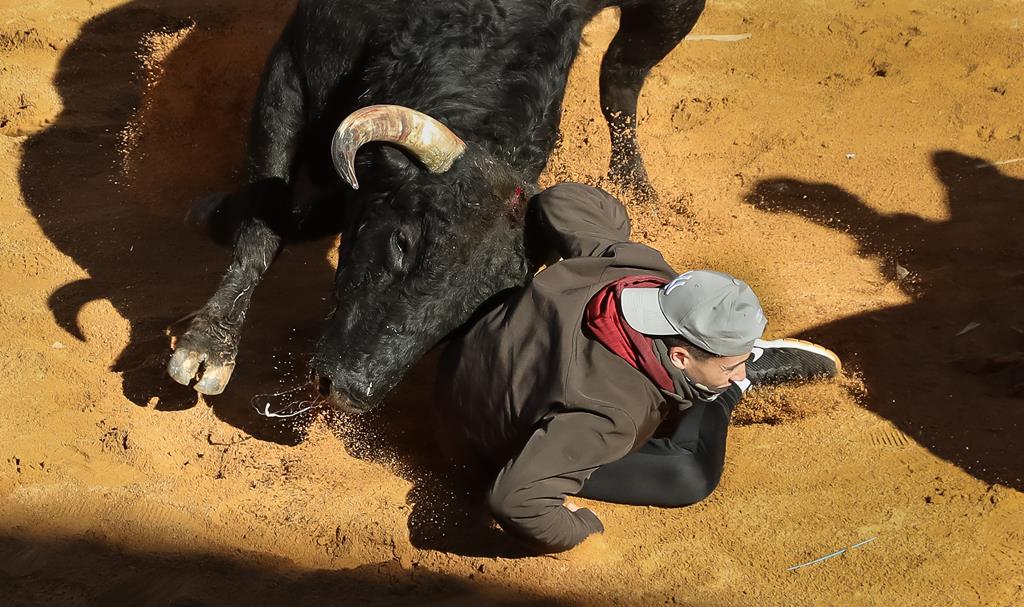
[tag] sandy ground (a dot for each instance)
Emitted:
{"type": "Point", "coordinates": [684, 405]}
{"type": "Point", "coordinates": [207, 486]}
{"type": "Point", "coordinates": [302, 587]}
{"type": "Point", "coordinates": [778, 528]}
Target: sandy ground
{"type": "Point", "coordinates": [842, 159]}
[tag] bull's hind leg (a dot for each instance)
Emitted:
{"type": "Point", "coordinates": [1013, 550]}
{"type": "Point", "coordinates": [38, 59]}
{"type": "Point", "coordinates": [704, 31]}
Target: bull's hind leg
{"type": "Point", "coordinates": [648, 31]}
{"type": "Point", "coordinates": [256, 221]}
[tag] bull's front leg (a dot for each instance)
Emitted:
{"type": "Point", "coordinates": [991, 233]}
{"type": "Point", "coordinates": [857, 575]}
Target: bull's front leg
{"type": "Point", "coordinates": [255, 221]}
{"type": "Point", "coordinates": [648, 31]}
{"type": "Point", "coordinates": [261, 220]}
{"type": "Point", "coordinates": [206, 352]}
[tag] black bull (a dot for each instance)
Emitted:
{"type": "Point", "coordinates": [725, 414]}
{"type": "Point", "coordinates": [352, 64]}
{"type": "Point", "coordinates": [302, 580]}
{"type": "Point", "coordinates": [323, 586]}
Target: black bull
{"type": "Point", "coordinates": [436, 226]}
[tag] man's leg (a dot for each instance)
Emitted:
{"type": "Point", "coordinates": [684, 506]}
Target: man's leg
{"type": "Point", "coordinates": [685, 468]}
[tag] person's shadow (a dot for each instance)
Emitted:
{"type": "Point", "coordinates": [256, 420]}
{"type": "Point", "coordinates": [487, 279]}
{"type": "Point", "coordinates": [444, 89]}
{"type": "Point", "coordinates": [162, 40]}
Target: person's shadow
{"type": "Point", "coordinates": [156, 98]}
{"type": "Point", "coordinates": [948, 367]}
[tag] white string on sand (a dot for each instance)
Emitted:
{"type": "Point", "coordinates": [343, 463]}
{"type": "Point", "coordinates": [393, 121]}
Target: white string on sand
{"type": "Point", "coordinates": [998, 163]}
{"type": "Point", "coordinates": [718, 37]}
{"type": "Point", "coordinates": [833, 555]}
{"type": "Point", "coordinates": [266, 412]}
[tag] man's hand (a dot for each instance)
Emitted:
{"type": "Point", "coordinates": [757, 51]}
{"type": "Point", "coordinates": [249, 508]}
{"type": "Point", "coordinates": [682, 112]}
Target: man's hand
{"type": "Point", "coordinates": [591, 551]}
{"type": "Point", "coordinates": [571, 506]}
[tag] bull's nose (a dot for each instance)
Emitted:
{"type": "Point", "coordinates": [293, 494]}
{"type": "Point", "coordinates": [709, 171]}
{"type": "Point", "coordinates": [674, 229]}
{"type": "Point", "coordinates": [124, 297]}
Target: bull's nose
{"type": "Point", "coordinates": [323, 385]}
{"type": "Point", "coordinates": [344, 398]}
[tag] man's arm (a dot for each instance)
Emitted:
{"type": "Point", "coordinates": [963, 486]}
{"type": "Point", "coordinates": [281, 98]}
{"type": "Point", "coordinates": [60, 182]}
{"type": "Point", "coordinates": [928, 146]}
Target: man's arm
{"type": "Point", "coordinates": [674, 471]}
{"type": "Point", "coordinates": [527, 497]}
{"type": "Point", "coordinates": [575, 220]}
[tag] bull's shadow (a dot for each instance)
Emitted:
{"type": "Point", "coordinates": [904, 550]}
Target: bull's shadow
{"type": "Point", "coordinates": [958, 395]}
{"type": "Point", "coordinates": [156, 97]}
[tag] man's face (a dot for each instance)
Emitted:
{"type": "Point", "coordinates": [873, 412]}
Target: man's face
{"type": "Point", "coordinates": [714, 373]}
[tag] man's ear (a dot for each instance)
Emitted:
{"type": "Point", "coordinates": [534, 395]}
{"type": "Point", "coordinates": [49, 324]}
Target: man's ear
{"type": "Point", "coordinates": [679, 357]}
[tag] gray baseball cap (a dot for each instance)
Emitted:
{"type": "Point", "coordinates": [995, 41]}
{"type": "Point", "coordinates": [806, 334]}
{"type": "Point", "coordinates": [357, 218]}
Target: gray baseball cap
{"type": "Point", "coordinates": [711, 310]}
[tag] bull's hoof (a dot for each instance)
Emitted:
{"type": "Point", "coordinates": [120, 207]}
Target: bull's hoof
{"type": "Point", "coordinates": [639, 193]}
{"type": "Point", "coordinates": [632, 180]}
{"type": "Point", "coordinates": [202, 362]}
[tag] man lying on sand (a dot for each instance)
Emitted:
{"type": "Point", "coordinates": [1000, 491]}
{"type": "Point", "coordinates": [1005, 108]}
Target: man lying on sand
{"type": "Point", "coordinates": [608, 376]}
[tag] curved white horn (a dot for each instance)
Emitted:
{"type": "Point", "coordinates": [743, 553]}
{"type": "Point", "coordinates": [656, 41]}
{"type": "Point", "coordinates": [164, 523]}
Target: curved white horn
{"type": "Point", "coordinates": [434, 144]}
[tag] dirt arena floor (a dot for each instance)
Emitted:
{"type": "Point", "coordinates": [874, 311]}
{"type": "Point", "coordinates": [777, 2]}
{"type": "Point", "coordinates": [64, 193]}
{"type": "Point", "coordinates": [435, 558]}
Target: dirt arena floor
{"type": "Point", "coordinates": [853, 160]}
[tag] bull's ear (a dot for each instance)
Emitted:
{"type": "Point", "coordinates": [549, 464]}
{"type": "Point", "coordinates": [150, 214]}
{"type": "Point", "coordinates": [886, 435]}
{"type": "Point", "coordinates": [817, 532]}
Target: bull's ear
{"type": "Point", "coordinates": [402, 169]}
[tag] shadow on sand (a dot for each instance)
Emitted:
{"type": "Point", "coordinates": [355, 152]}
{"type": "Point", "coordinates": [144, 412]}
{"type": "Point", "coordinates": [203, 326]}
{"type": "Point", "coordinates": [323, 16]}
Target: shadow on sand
{"type": "Point", "coordinates": [81, 572]}
{"type": "Point", "coordinates": [958, 395]}
{"type": "Point", "coordinates": [155, 110]}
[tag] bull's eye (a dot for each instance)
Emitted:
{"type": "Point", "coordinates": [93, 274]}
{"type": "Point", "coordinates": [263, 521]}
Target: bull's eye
{"type": "Point", "coordinates": [399, 249]}
{"type": "Point", "coordinates": [360, 229]}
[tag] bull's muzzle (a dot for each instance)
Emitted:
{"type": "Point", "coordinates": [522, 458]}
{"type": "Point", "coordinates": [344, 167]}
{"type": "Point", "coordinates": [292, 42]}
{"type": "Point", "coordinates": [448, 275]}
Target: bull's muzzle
{"type": "Point", "coordinates": [348, 395]}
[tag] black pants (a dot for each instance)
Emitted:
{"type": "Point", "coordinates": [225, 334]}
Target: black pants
{"type": "Point", "coordinates": [675, 470]}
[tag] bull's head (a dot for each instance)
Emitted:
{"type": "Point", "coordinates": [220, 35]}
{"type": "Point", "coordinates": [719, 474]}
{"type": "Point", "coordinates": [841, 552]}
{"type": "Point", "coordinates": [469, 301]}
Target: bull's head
{"type": "Point", "coordinates": [422, 252]}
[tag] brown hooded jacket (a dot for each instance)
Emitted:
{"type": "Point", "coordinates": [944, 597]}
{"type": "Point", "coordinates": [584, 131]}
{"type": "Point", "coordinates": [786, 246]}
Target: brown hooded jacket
{"type": "Point", "coordinates": [530, 393]}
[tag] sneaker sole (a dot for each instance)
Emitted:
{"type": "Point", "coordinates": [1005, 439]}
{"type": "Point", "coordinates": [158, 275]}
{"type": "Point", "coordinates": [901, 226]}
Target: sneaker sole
{"type": "Point", "coordinates": [799, 344]}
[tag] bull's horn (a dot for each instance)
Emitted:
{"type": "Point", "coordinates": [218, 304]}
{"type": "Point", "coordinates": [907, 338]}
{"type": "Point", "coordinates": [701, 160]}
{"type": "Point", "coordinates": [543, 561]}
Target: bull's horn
{"type": "Point", "coordinates": [429, 140]}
